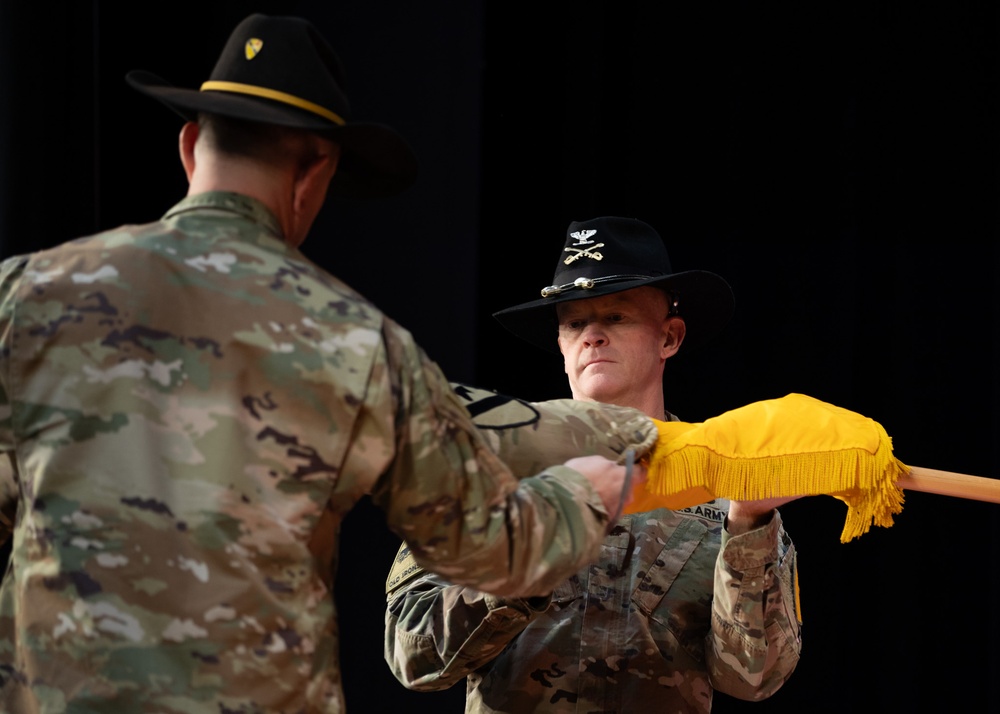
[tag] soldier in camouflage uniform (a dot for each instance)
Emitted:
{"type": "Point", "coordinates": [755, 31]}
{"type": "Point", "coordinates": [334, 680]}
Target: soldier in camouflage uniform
{"type": "Point", "coordinates": [680, 604]}
{"type": "Point", "coordinates": [191, 407]}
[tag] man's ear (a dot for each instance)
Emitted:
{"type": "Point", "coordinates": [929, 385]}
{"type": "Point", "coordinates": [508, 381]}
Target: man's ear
{"type": "Point", "coordinates": [309, 187]}
{"type": "Point", "coordinates": [185, 144]}
{"type": "Point", "coordinates": [313, 178]}
{"type": "Point", "coordinates": [674, 329]}
{"type": "Point", "coordinates": [319, 169]}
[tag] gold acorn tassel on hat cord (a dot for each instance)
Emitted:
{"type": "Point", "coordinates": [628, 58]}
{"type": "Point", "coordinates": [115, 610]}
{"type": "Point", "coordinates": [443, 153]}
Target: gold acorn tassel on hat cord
{"type": "Point", "coordinates": [792, 446]}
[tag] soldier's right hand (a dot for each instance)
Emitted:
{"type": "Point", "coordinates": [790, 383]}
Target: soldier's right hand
{"type": "Point", "coordinates": [607, 478]}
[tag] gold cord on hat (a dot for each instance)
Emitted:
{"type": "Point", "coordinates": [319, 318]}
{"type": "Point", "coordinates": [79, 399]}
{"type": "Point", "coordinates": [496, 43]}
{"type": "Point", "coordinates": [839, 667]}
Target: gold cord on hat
{"type": "Point", "coordinates": [238, 88]}
{"type": "Point", "coordinates": [588, 283]}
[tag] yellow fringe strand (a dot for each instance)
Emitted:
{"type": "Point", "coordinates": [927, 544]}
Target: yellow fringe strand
{"type": "Point", "coordinates": [769, 450]}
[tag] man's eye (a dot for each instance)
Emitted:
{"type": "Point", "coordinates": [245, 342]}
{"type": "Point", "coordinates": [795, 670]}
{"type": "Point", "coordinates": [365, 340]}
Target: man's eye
{"type": "Point", "coordinates": [616, 318]}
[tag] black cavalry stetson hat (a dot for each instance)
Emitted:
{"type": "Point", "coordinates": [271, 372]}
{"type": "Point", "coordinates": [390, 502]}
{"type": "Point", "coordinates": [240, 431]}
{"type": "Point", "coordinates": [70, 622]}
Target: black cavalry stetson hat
{"type": "Point", "coordinates": [608, 255]}
{"type": "Point", "coordinates": [280, 70]}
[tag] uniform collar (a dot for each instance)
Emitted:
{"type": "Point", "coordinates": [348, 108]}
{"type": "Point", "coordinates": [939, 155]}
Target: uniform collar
{"type": "Point", "coordinates": [238, 203]}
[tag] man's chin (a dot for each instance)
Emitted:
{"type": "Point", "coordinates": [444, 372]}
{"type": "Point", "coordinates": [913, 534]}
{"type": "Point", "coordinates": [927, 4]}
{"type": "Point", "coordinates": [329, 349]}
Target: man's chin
{"type": "Point", "coordinates": [599, 389]}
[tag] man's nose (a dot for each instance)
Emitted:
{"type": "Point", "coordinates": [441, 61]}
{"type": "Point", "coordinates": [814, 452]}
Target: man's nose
{"type": "Point", "coordinates": [594, 336]}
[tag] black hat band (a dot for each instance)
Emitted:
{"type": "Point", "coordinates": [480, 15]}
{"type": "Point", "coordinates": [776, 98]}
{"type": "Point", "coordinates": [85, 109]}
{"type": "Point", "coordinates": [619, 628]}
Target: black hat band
{"type": "Point", "coordinates": [291, 99]}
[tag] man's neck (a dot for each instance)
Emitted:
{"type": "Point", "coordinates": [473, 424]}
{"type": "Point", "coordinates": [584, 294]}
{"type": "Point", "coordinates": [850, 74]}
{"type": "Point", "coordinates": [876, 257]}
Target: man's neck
{"type": "Point", "coordinates": [652, 405]}
{"type": "Point", "coordinates": [249, 179]}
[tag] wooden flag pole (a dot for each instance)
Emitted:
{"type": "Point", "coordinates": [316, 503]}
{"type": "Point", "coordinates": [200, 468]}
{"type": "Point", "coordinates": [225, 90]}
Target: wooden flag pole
{"type": "Point", "coordinates": [949, 483]}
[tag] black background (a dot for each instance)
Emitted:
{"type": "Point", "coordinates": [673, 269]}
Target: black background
{"type": "Point", "coordinates": [835, 161]}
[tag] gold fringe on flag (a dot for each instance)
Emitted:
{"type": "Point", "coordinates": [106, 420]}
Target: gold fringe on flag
{"type": "Point", "coordinates": [787, 447]}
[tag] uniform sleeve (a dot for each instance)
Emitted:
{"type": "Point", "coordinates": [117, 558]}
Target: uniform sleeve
{"type": "Point", "coordinates": [755, 639]}
{"type": "Point", "coordinates": [464, 512]}
{"type": "Point", "coordinates": [437, 633]}
{"type": "Point", "coordinates": [10, 274]}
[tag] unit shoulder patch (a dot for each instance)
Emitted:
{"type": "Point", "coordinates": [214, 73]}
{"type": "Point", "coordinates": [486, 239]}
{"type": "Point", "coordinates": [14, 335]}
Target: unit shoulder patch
{"type": "Point", "coordinates": [490, 410]}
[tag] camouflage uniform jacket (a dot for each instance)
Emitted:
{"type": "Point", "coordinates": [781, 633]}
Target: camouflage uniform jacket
{"type": "Point", "coordinates": [657, 623]}
{"type": "Point", "coordinates": [190, 408]}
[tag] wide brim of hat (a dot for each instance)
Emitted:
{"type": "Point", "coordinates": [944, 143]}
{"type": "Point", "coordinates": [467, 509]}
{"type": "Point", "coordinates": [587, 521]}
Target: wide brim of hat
{"type": "Point", "coordinates": [705, 301]}
{"type": "Point", "coordinates": [375, 161]}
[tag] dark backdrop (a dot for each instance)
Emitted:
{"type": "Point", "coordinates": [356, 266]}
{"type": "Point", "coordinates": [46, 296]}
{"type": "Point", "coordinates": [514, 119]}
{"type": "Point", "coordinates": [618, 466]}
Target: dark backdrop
{"type": "Point", "coordinates": [835, 161]}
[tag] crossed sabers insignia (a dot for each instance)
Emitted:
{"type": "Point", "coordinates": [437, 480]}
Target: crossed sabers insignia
{"type": "Point", "coordinates": [580, 252]}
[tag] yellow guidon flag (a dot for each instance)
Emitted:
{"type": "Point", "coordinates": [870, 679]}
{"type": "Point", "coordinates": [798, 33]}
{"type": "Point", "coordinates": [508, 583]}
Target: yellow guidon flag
{"type": "Point", "coordinates": [779, 448]}
{"type": "Point", "coordinates": [787, 447]}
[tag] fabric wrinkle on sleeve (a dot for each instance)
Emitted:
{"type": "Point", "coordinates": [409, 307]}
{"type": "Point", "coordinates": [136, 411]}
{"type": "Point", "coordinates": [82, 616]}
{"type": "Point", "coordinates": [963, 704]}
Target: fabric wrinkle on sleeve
{"type": "Point", "coordinates": [755, 640]}
{"type": "Point", "coordinates": [11, 271]}
{"type": "Point", "coordinates": [437, 633]}
{"type": "Point", "coordinates": [460, 508]}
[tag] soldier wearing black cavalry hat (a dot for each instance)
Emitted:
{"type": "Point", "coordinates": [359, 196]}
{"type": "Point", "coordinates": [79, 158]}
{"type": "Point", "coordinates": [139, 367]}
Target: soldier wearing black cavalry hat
{"type": "Point", "coordinates": [680, 603]}
{"type": "Point", "coordinates": [190, 407]}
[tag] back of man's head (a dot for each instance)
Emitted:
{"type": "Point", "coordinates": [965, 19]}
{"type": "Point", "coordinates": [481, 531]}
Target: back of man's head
{"type": "Point", "coordinates": [268, 144]}
{"type": "Point", "coordinates": [280, 71]}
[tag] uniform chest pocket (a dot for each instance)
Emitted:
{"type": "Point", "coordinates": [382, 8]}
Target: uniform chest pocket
{"type": "Point", "coordinates": [675, 593]}
{"type": "Point", "coordinates": [567, 592]}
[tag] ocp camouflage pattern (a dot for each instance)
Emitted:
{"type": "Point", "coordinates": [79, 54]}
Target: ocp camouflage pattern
{"type": "Point", "coordinates": [189, 408]}
{"type": "Point", "coordinates": [673, 609]}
